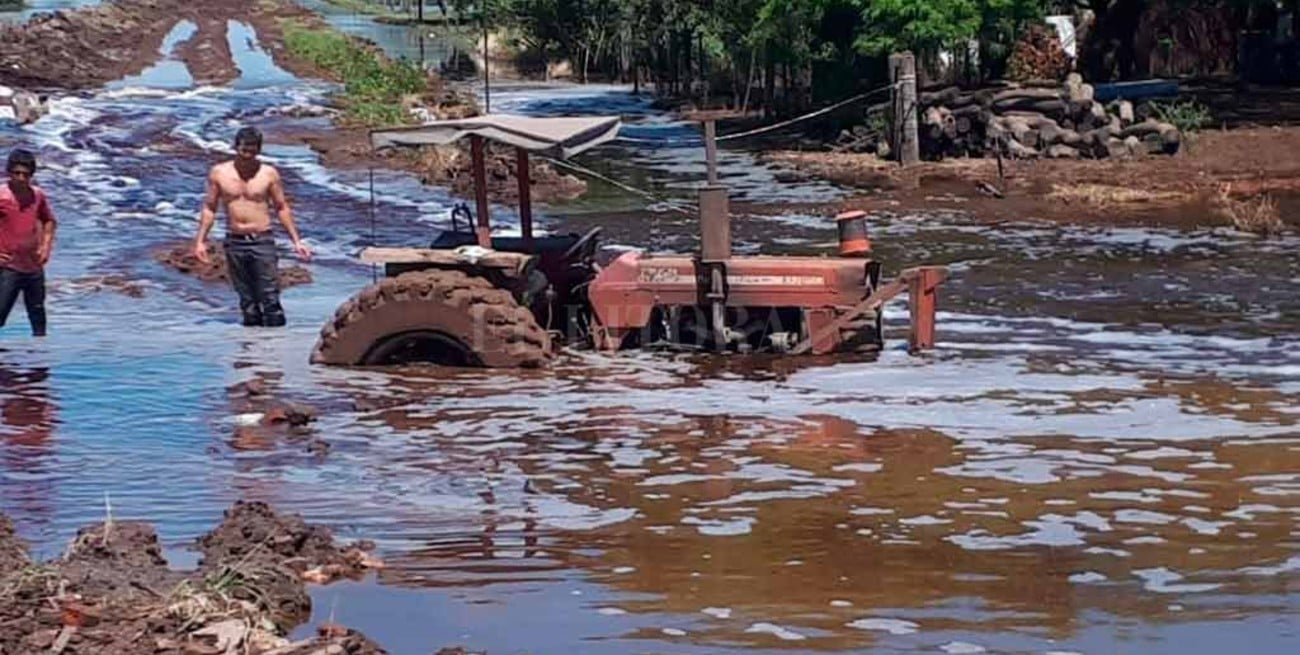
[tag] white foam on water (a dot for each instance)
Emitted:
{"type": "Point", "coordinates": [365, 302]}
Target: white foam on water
{"type": "Point", "coordinates": [892, 626]}
{"type": "Point", "coordinates": [719, 527]}
{"type": "Point", "coordinates": [1052, 530]}
{"type": "Point", "coordinates": [717, 612]}
{"type": "Point", "coordinates": [1098, 550]}
{"type": "Point", "coordinates": [1143, 517]}
{"type": "Point", "coordinates": [1291, 565]}
{"type": "Point", "coordinates": [924, 519]}
{"type": "Point", "coordinates": [780, 632]}
{"type": "Point", "coordinates": [870, 511]}
{"type": "Point", "coordinates": [858, 467]}
{"type": "Point", "coordinates": [611, 611]}
{"type": "Point", "coordinates": [1087, 577]}
{"type": "Point", "coordinates": [1201, 526]}
{"type": "Point", "coordinates": [961, 648]}
{"type": "Point", "coordinates": [1160, 580]}
{"type": "Point", "coordinates": [1130, 497]}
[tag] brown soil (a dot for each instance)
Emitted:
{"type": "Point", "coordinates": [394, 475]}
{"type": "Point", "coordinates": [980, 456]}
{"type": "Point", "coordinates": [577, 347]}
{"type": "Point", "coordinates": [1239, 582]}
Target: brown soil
{"type": "Point", "coordinates": [97, 283]}
{"type": "Point", "coordinates": [13, 551]}
{"type": "Point", "coordinates": [89, 47]}
{"type": "Point", "coordinates": [447, 166]}
{"type": "Point", "coordinates": [1187, 188]}
{"type": "Point", "coordinates": [180, 257]}
{"type": "Point", "coordinates": [112, 592]}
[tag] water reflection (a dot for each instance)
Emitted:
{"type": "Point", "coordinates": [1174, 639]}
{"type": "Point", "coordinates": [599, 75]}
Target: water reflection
{"type": "Point", "coordinates": [28, 416]}
{"type": "Point", "coordinates": [1081, 452]}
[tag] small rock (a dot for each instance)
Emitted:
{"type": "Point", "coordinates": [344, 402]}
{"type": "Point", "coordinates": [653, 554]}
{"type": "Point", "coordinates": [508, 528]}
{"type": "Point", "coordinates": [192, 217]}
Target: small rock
{"type": "Point", "coordinates": [330, 630]}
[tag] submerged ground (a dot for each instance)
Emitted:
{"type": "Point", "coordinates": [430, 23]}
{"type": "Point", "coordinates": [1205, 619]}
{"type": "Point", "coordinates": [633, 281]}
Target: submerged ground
{"type": "Point", "coordinates": [1102, 456]}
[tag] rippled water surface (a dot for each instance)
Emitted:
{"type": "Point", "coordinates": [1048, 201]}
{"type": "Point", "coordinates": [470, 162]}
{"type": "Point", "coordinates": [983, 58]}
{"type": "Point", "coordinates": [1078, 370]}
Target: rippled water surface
{"type": "Point", "coordinates": [1102, 456]}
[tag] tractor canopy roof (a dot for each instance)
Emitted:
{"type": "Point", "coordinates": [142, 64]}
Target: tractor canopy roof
{"type": "Point", "coordinates": [559, 137]}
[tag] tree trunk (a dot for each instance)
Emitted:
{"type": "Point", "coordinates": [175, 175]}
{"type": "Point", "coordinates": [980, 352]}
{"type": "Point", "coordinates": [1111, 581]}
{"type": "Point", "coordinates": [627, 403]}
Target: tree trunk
{"type": "Point", "coordinates": [769, 81]}
{"type": "Point", "coordinates": [749, 81]}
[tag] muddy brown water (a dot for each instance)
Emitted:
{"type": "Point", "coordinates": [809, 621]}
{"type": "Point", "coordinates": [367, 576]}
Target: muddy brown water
{"type": "Point", "coordinates": [1102, 456]}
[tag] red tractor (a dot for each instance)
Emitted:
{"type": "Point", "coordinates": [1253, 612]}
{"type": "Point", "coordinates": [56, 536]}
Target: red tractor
{"type": "Point", "coordinates": [474, 299]}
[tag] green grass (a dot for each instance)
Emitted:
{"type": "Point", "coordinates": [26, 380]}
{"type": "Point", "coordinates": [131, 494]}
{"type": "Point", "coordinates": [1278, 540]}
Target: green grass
{"type": "Point", "coordinates": [373, 85]}
{"type": "Point", "coordinates": [358, 6]}
{"type": "Point", "coordinates": [1188, 116]}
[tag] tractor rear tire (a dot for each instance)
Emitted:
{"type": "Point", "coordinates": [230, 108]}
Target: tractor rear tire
{"type": "Point", "coordinates": [442, 317]}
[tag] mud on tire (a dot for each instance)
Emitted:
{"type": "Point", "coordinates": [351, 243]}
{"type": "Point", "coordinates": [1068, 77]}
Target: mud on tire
{"type": "Point", "coordinates": [445, 317]}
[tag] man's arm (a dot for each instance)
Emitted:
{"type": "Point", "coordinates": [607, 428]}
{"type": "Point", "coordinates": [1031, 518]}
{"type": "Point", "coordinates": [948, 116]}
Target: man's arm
{"type": "Point", "coordinates": [48, 225]}
{"type": "Point", "coordinates": [207, 216]}
{"type": "Point", "coordinates": [285, 214]}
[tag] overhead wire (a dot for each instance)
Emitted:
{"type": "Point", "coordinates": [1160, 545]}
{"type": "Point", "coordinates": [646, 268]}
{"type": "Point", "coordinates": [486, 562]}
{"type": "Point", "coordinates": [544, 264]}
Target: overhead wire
{"type": "Point", "coordinates": [775, 126]}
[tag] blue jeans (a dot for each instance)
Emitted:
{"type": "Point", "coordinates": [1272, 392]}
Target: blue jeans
{"type": "Point", "coordinates": [32, 287]}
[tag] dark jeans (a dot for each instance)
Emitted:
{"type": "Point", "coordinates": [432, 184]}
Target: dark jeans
{"type": "Point", "coordinates": [253, 266]}
{"type": "Point", "coordinates": [32, 286]}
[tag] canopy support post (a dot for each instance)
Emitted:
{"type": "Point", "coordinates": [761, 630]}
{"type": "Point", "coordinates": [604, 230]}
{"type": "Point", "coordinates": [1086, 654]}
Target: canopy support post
{"type": "Point", "coordinates": [525, 196]}
{"type": "Point", "coordinates": [483, 229]}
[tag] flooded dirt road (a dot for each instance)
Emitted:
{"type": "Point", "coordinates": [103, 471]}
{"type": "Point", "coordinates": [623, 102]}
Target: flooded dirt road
{"type": "Point", "coordinates": [1102, 456]}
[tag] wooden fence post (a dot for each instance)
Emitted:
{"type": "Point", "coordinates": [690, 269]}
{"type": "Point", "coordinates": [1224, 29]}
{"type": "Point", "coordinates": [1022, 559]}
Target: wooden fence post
{"type": "Point", "coordinates": [902, 71]}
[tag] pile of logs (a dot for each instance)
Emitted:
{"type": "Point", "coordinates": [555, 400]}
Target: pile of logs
{"type": "Point", "coordinates": [1059, 121]}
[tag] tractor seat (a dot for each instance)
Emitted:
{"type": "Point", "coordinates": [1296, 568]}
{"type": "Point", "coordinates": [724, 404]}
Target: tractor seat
{"type": "Point", "coordinates": [554, 246]}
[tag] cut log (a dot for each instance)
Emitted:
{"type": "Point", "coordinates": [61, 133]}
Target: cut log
{"type": "Point", "coordinates": [1125, 111]}
{"type": "Point", "coordinates": [1070, 138]}
{"type": "Point", "coordinates": [1021, 95]}
{"type": "Point", "coordinates": [944, 96]}
{"type": "Point", "coordinates": [1018, 150]}
{"type": "Point", "coordinates": [1133, 145]}
{"type": "Point", "coordinates": [1142, 129]}
{"type": "Point", "coordinates": [1062, 152]}
{"type": "Point", "coordinates": [1171, 138]}
{"type": "Point", "coordinates": [963, 125]}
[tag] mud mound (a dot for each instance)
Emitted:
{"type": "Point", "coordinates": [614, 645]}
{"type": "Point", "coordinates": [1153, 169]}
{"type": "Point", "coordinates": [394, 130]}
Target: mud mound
{"type": "Point", "coordinates": [100, 283]}
{"type": "Point", "coordinates": [112, 593]}
{"type": "Point", "coordinates": [181, 257]}
{"type": "Point", "coordinates": [452, 166]}
{"type": "Point", "coordinates": [13, 550]}
{"type": "Point", "coordinates": [119, 561]}
{"type": "Point", "coordinates": [72, 49]}
{"type": "Point", "coordinates": [252, 531]}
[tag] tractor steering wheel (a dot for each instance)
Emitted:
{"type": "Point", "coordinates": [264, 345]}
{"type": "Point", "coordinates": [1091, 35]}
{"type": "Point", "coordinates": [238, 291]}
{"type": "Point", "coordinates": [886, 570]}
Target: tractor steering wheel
{"type": "Point", "coordinates": [581, 243]}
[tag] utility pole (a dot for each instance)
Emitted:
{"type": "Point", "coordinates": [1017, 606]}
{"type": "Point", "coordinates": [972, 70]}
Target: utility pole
{"type": "Point", "coordinates": [487, 85]}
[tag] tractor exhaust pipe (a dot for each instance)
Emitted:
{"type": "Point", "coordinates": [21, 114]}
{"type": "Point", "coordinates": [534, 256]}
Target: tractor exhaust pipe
{"type": "Point", "coordinates": [715, 239]}
{"type": "Point", "coordinates": [715, 214]}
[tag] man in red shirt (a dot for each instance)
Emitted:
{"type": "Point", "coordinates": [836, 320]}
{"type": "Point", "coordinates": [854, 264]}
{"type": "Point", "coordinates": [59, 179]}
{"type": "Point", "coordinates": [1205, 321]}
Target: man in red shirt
{"type": "Point", "coordinates": [26, 236]}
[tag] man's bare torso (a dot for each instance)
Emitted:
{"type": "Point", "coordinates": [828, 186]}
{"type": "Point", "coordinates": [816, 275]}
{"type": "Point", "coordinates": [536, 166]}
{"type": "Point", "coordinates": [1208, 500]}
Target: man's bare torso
{"type": "Point", "coordinates": [246, 201]}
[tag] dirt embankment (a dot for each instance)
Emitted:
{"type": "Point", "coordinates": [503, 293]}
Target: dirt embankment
{"type": "Point", "coordinates": [88, 47]}
{"type": "Point", "coordinates": [112, 591]}
{"type": "Point", "coordinates": [1247, 177]}
{"type": "Point", "coordinates": [447, 166]}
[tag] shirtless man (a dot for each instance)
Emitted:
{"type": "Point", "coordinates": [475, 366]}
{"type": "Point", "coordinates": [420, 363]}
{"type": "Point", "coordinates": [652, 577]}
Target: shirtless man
{"type": "Point", "coordinates": [245, 186]}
